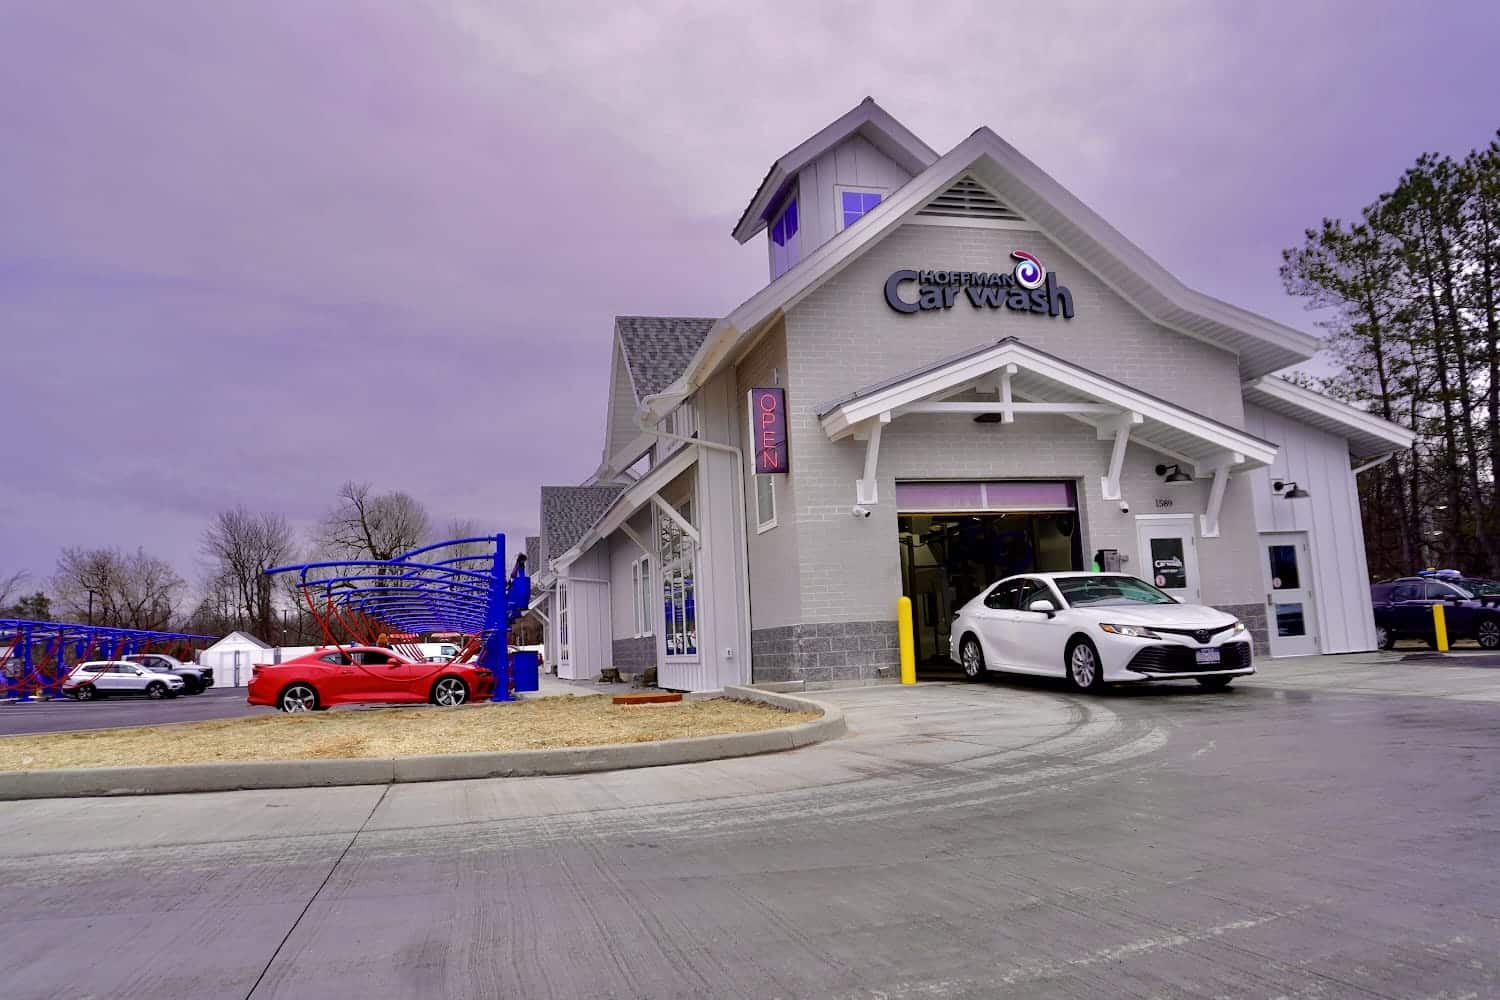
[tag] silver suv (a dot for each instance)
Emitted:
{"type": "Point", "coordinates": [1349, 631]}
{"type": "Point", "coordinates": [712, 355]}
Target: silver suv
{"type": "Point", "coordinates": [101, 678]}
{"type": "Point", "coordinates": [194, 677]}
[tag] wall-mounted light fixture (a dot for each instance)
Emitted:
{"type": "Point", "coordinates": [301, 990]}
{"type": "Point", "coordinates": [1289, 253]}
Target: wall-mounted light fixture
{"type": "Point", "coordinates": [1289, 490]}
{"type": "Point", "coordinates": [1174, 475]}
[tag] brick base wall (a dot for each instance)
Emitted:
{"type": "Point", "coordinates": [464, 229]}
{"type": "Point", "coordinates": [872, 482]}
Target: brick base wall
{"type": "Point", "coordinates": [633, 655]}
{"type": "Point", "coordinates": [825, 653]}
{"type": "Point", "coordinates": [1254, 617]}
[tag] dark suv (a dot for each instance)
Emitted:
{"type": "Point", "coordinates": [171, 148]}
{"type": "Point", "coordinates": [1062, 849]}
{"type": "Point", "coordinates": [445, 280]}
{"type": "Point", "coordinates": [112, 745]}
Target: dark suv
{"type": "Point", "coordinates": [1403, 610]}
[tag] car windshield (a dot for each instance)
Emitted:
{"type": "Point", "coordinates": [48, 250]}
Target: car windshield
{"type": "Point", "coordinates": [1095, 591]}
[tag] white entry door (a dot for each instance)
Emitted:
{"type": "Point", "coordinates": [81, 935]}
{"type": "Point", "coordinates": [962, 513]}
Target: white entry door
{"type": "Point", "coordinates": [1291, 622]}
{"type": "Point", "coordinates": [1169, 555]}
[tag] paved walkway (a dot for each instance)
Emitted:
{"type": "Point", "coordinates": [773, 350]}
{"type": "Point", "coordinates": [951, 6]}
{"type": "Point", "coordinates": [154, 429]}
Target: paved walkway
{"type": "Point", "coordinates": [1285, 838]}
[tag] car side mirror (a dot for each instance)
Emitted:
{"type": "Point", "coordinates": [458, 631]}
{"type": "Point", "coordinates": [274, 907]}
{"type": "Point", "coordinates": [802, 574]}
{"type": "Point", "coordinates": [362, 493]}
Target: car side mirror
{"type": "Point", "coordinates": [1042, 606]}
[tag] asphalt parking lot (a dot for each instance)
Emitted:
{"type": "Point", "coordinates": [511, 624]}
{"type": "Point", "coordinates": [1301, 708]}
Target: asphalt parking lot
{"type": "Point", "coordinates": [67, 715]}
{"type": "Point", "coordinates": [1328, 829]}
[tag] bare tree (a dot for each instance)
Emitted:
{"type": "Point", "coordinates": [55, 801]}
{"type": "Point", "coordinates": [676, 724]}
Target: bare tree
{"type": "Point", "coordinates": [369, 525]}
{"type": "Point", "coordinates": [10, 586]}
{"type": "Point", "coordinates": [111, 587]}
{"type": "Point", "coordinates": [242, 546]}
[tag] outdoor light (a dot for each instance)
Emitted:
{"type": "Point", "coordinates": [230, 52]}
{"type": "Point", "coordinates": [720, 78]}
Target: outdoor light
{"type": "Point", "coordinates": [1289, 490]}
{"type": "Point", "coordinates": [1174, 475]}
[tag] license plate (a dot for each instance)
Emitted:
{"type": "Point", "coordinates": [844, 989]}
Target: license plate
{"type": "Point", "coordinates": [1208, 657]}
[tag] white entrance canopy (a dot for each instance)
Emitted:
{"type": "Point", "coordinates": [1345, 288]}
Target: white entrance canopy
{"type": "Point", "coordinates": [1010, 379]}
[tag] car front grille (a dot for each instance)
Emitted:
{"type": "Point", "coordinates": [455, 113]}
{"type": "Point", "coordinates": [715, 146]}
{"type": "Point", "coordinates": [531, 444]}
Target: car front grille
{"type": "Point", "coordinates": [1201, 635]}
{"type": "Point", "coordinates": [1172, 659]}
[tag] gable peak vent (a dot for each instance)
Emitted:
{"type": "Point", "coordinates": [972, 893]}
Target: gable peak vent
{"type": "Point", "coordinates": [967, 199]}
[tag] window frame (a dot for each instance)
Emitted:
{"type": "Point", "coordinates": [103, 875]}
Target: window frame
{"type": "Point", "coordinates": [839, 190]}
{"type": "Point", "coordinates": [763, 524]}
{"type": "Point", "coordinates": [675, 573]}
{"type": "Point", "coordinates": [790, 247]}
{"type": "Point", "coordinates": [563, 638]}
{"type": "Point", "coordinates": [640, 597]}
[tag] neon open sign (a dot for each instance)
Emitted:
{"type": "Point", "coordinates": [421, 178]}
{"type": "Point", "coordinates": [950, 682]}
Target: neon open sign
{"type": "Point", "coordinates": [768, 431]}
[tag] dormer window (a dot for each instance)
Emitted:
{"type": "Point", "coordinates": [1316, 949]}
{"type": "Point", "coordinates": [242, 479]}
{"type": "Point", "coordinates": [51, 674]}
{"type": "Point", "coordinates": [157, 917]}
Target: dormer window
{"type": "Point", "coordinates": [856, 203]}
{"type": "Point", "coordinates": [786, 242]}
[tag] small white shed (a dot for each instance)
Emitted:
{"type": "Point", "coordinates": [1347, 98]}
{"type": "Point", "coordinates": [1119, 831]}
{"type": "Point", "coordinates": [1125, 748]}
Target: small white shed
{"type": "Point", "coordinates": [232, 657]}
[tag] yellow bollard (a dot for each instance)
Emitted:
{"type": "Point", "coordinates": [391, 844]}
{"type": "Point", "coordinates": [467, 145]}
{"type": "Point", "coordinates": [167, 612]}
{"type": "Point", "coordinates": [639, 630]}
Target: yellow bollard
{"type": "Point", "coordinates": [1440, 627]}
{"type": "Point", "coordinates": [906, 642]}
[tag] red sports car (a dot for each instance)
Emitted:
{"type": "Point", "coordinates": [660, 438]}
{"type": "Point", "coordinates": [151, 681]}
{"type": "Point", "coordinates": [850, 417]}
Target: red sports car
{"type": "Point", "coordinates": [334, 676]}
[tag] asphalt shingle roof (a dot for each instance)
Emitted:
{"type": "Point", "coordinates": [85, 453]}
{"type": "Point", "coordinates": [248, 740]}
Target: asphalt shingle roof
{"type": "Point", "coordinates": [533, 553]}
{"type": "Point", "coordinates": [658, 348]}
{"type": "Point", "coordinates": [569, 511]}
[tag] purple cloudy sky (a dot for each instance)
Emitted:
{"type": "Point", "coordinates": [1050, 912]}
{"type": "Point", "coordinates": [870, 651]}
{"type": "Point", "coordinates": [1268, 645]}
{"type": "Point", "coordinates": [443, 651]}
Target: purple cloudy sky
{"type": "Point", "coordinates": [250, 250]}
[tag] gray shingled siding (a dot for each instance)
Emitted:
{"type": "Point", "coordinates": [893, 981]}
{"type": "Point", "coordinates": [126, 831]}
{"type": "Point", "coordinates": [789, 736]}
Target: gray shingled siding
{"type": "Point", "coordinates": [569, 511]}
{"type": "Point", "coordinates": [658, 348]}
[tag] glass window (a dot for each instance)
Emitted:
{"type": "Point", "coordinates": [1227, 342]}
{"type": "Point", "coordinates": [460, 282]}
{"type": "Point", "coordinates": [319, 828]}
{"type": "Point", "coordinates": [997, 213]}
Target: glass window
{"type": "Point", "coordinates": [854, 205]}
{"type": "Point", "coordinates": [765, 502]}
{"type": "Point", "coordinates": [679, 561]}
{"type": "Point", "coordinates": [786, 240]}
{"type": "Point", "coordinates": [1082, 591]}
{"type": "Point", "coordinates": [1005, 597]}
{"type": "Point", "coordinates": [1284, 575]}
{"type": "Point", "coordinates": [1443, 592]}
{"type": "Point", "coordinates": [1290, 620]}
{"type": "Point", "coordinates": [1407, 592]}
{"type": "Point", "coordinates": [337, 659]}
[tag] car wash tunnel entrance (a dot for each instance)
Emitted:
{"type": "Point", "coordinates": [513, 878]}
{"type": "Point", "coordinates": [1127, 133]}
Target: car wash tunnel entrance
{"type": "Point", "coordinates": [956, 538]}
{"type": "Point", "coordinates": [454, 586]}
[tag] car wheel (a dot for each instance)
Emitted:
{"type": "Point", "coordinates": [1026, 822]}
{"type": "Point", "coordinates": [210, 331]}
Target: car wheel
{"type": "Point", "coordinates": [1215, 683]}
{"type": "Point", "coordinates": [298, 698]}
{"type": "Point", "coordinates": [86, 693]}
{"type": "Point", "coordinates": [1085, 672]}
{"type": "Point", "coordinates": [156, 690]}
{"type": "Point", "coordinates": [971, 656]}
{"type": "Point", "coordinates": [1488, 634]}
{"type": "Point", "coordinates": [1384, 638]}
{"type": "Point", "coordinates": [449, 692]}
{"type": "Point", "coordinates": [189, 686]}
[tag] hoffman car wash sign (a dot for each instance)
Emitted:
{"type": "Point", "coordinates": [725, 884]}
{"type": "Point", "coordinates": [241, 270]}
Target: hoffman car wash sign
{"type": "Point", "coordinates": [1029, 288]}
{"type": "Point", "coordinates": [768, 431]}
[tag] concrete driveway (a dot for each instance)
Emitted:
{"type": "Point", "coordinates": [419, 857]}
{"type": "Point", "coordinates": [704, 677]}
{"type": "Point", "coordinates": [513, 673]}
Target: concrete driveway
{"type": "Point", "coordinates": [1328, 829]}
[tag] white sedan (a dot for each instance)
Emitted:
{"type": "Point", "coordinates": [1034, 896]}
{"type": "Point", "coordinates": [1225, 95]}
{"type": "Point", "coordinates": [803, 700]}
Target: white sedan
{"type": "Point", "coordinates": [1094, 629]}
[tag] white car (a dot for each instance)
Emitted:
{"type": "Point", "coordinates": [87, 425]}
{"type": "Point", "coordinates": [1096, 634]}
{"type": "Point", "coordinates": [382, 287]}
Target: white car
{"type": "Point", "coordinates": [101, 678]}
{"type": "Point", "coordinates": [1094, 629]}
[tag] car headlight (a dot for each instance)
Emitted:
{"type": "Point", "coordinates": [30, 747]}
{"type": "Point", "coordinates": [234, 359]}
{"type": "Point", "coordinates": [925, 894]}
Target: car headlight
{"type": "Point", "coordinates": [1134, 631]}
{"type": "Point", "coordinates": [1238, 628]}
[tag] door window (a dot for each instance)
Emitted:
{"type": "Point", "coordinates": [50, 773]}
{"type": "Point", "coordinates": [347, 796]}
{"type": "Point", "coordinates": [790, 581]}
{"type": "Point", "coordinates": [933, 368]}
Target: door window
{"type": "Point", "coordinates": [1407, 592]}
{"type": "Point", "coordinates": [1168, 564]}
{"type": "Point", "coordinates": [1005, 597]}
{"type": "Point", "coordinates": [1284, 572]}
{"type": "Point", "coordinates": [1440, 592]}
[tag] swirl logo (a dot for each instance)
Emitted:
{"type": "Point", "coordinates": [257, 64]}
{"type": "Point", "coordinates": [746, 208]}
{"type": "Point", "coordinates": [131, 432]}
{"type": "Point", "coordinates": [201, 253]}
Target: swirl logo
{"type": "Point", "coordinates": [1029, 271]}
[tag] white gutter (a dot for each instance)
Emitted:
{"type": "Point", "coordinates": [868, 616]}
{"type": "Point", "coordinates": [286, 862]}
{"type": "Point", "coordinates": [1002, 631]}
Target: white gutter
{"type": "Point", "coordinates": [1374, 462]}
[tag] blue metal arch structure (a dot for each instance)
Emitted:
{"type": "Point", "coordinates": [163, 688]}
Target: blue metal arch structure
{"type": "Point", "coordinates": [34, 654]}
{"type": "Point", "coordinates": [456, 585]}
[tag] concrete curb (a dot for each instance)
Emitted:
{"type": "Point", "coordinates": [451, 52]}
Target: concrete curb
{"type": "Point", "coordinates": [179, 778]}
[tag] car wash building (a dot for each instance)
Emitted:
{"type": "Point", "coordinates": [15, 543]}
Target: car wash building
{"type": "Point", "coordinates": [957, 371]}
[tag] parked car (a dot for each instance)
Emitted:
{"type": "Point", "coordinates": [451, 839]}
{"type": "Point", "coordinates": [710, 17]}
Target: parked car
{"type": "Point", "coordinates": [1097, 628]}
{"type": "Point", "coordinates": [352, 674]}
{"type": "Point", "coordinates": [194, 678]}
{"type": "Point", "coordinates": [106, 678]}
{"type": "Point", "coordinates": [1403, 610]}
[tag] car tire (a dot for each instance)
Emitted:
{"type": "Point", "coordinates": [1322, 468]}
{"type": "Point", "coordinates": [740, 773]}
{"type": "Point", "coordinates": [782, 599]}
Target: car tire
{"type": "Point", "coordinates": [971, 658]}
{"type": "Point", "coordinates": [190, 686]}
{"type": "Point", "coordinates": [1384, 638]}
{"type": "Point", "coordinates": [156, 690]}
{"type": "Point", "coordinates": [1215, 683]}
{"type": "Point", "coordinates": [449, 692]}
{"type": "Point", "coordinates": [86, 692]}
{"type": "Point", "coordinates": [1487, 634]}
{"type": "Point", "coordinates": [1081, 662]}
{"type": "Point", "coordinates": [297, 697]}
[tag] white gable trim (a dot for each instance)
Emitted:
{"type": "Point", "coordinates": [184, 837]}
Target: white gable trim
{"type": "Point", "coordinates": [627, 503]}
{"type": "Point", "coordinates": [1262, 345]}
{"type": "Point", "coordinates": [1367, 434]}
{"type": "Point", "coordinates": [869, 120]}
{"type": "Point", "coordinates": [1222, 446]}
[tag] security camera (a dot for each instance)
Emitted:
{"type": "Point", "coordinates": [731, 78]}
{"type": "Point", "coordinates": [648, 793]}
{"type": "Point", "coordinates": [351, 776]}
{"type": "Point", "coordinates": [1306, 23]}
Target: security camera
{"type": "Point", "coordinates": [858, 511]}
{"type": "Point", "coordinates": [1124, 506]}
